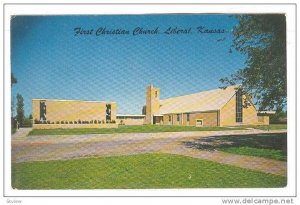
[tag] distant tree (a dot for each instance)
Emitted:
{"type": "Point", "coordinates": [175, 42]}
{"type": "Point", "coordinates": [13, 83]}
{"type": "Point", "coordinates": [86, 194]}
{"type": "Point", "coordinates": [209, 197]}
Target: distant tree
{"type": "Point", "coordinates": [28, 121]}
{"type": "Point", "coordinates": [20, 109]}
{"type": "Point", "coordinates": [12, 106]}
{"type": "Point", "coordinates": [262, 39]}
{"type": "Point", "coordinates": [279, 117]}
{"type": "Point", "coordinates": [13, 80]}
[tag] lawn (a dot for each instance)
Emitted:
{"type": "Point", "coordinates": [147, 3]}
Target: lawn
{"type": "Point", "coordinates": [146, 129]}
{"type": "Point", "coordinates": [268, 127]}
{"type": "Point", "coordinates": [137, 172]}
{"type": "Point", "coordinates": [272, 146]}
{"type": "Point", "coordinates": [129, 129]}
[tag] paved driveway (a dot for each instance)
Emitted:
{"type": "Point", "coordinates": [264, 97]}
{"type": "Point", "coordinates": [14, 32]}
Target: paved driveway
{"type": "Point", "coordinates": [62, 147]}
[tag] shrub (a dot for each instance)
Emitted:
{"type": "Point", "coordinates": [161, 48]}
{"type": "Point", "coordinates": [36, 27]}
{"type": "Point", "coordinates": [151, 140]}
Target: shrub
{"type": "Point", "coordinates": [95, 121]}
{"type": "Point", "coordinates": [52, 122]}
{"type": "Point", "coordinates": [99, 121]}
{"type": "Point", "coordinates": [57, 122]}
{"type": "Point", "coordinates": [79, 121]}
{"type": "Point", "coordinates": [48, 122]}
{"type": "Point", "coordinates": [67, 122]}
{"type": "Point", "coordinates": [75, 122]}
{"type": "Point", "coordinates": [36, 121]}
{"type": "Point", "coordinates": [71, 122]}
{"type": "Point", "coordinates": [27, 122]}
{"type": "Point", "coordinates": [113, 121]}
{"type": "Point", "coordinates": [62, 122]}
{"type": "Point", "coordinates": [103, 122]}
{"type": "Point", "coordinates": [91, 122]}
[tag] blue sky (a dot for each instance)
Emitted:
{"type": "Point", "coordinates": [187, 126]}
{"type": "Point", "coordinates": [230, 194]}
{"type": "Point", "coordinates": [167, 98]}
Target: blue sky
{"type": "Point", "coordinates": [49, 61]}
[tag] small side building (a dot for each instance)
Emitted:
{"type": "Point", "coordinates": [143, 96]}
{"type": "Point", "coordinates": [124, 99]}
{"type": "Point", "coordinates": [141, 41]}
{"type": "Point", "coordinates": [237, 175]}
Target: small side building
{"type": "Point", "coordinates": [218, 107]}
{"type": "Point", "coordinates": [129, 119]}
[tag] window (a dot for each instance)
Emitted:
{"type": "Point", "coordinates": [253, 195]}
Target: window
{"type": "Point", "coordinates": [239, 106]}
{"type": "Point", "coordinates": [108, 112]}
{"type": "Point", "coordinates": [178, 117]}
{"type": "Point", "coordinates": [156, 94]}
{"type": "Point", "coordinates": [188, 117]}
{"type": "Point", "coordinates": [169, 118]}
{"type": "Point", "coordinates": [43, 111]}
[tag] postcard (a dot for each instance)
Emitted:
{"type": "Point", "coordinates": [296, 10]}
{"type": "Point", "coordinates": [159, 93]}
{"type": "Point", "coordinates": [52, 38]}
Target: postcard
{"type": "Point", "coordinates": [149, 101]}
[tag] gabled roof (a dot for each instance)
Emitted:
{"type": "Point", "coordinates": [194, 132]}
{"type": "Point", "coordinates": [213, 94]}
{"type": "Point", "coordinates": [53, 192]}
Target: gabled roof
{"type": "Point", "coordinates": [197, 102]}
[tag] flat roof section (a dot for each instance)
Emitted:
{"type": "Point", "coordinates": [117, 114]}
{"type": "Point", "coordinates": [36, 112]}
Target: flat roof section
{"type": "Point", "coordinates": [72, 100]}
{"type": "Point", "coordinates": [129, 115]}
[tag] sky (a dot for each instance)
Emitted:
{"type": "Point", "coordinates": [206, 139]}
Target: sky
{"type": "Point", "coordinates": [51, 62]}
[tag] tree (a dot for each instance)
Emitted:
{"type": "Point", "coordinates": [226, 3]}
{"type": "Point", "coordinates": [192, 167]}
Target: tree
{"type": "Point", "coordinates": [27, 121]}
{"type": "Point", "coordinates": [262, 38]}
{"type": "Point", "coordinates": [13, 80]}
{"type": "Point", "coordinates": [279, 117]}
{"type": "Point", "coordinates": [13, 121]}
{"type": "Point", "coordinates": [20, 109]}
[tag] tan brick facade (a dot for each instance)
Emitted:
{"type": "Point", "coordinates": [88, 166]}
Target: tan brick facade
{"type": "Point", "coordinates": [73, 110]}
{"type": "Point", "coordinates": [152, 103]}
{"type": "Point", "coordinates": [210, 119]}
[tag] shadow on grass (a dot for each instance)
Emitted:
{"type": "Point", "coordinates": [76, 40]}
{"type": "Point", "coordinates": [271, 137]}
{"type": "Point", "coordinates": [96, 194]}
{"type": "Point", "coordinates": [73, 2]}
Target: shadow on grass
{"type": "Point", "coordinates": [274, 141]}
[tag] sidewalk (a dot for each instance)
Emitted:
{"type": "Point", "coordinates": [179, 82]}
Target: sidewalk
{"type": "Point", "coordinates": [249, 162]}
{"type": "Point", "coordinates": [21, 133]}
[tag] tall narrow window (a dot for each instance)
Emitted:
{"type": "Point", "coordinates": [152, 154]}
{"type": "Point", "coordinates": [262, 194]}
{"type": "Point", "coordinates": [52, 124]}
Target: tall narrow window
{"type": "Point", "coordinates": [108, 112]}
{"type": "Point", "coordinates": [239, 106]}
{"type": "Point", "coordinates": [178, 117]}
{"type": "Point", "coordinates": [156, 94]}
{"type": "Point", "coordinates": [169, 118]}
{"type": "Point", "coordinates": [188, 117]}
{"type": "Point", "coordinates": [43, 111]}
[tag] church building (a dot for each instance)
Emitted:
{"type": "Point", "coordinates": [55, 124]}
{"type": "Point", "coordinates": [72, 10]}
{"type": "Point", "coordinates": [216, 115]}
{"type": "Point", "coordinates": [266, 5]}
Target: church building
{"type": "Point", "coordinates": [218, 107]}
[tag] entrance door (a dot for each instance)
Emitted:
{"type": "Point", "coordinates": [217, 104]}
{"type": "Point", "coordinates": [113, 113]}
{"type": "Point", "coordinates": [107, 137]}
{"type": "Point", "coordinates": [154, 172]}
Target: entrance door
{"type": "Point", "coordinates": [199, 123]}
{"type": "Point", "coordinates": [157, 120]}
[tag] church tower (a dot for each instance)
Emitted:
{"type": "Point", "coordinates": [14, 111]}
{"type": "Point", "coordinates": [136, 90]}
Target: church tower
{"type": "Point", "coordinates": [152, 103]}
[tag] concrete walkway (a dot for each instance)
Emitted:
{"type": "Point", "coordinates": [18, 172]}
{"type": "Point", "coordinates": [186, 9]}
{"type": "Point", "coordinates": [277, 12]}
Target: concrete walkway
{"type": "Point", "coordinates": [63, 147]}
{"type": "Point", "coordinates": [21, 133]}
{"type": "Point", "coordinates": [249, 162]}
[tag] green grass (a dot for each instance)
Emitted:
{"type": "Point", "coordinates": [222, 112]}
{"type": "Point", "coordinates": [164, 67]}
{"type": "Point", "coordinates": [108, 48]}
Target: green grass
{"type": "Point", "coordinates": [137, 171]}
{"type": "Point", "coordinates": [128, 129]}
{"type": "Point", "coordinates": [266, 153]}
{"type": "Point", "coordinates": [272, 146]}
{"type": "Point", "coordinates": [146, 129]}
{"type": "Point", "coordinates": [268, 127]}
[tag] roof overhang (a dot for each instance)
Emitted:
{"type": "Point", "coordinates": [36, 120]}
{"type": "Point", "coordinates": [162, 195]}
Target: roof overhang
{"type": "Point", "coordinates": [158, 115]}
{"type": "Point", "coordinates": [185, 112]}
{"type": "Point", "coordinates": [129, 115]}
